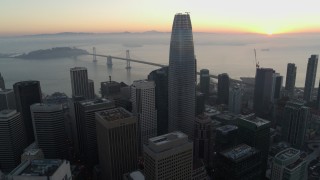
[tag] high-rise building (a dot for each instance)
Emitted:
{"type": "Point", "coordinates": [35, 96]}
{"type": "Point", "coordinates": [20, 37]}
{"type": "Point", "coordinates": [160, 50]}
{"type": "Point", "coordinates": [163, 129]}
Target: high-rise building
{"type": "Point", "coordinates": [235, 99]}
{"type": "Point", "coordinates": [160, 78]}
{"type": "Point", "coordinates": [318, 97]}
{"type": "Point", "coordinates": [203, 139]}
{"type": "Point", "coordinates": [226, 137]}
{"type": "Point", "coordinates": [168, 156]}
{"type": "Point", "coordinates": [289, 165]}
{"type": "Point", "coordinates": [263, 92]}
{"type": "Point", "coordinates": [204, 82]}
{"type": "Point", "coordinates": [223, 88]}
{"type": "Point", "coordinates": [310, 77]}
{"type": "Point", "coordinates": [26, 94]}
{"type": "Point", "coordinates": [91, 93]}
{"type": "Point", "coordinates": [86, 127]}
{"type": "Point", "coordinates": [295, 118]}
{"type": "Point", "coordinates": [7, 99]}
{"type": "Point", "coordinates": [49, 130]}
{"type": "Point", "coordinates": [12, 139]}
{"type": "Point", "coordinates": [182, 76]}
{"type": "Point", "coordinates": [42, 169]}
{"type": "Point", "coordinates": [143, 107]}
{"type": "Point", "coordinates": [117, 142]}
{"type": "Point", "coordinates": [291, 78]}
{"type": "Point", "coordinates": [242, 162]}
{"type": "Point", "coordinates": [255, 132]}
{"type": "Point", "coordinates": [276, 86]}
{"type": "Point", "coordinates": [200, 103]}
{"type": "Point", "coordinates": [109, 88]}
{"type": "Point", "coordinates": [79, 82]}
{"type": "Point", "coordinates": [2, 84]}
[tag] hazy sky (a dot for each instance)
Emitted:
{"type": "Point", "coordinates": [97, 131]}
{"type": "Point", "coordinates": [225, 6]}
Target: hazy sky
{"type": "Point", "coordinates": [259, 16]}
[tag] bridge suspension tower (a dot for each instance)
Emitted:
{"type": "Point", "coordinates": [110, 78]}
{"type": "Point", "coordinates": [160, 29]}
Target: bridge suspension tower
{"type": "Point", "coordinates": [94, 55]}
{"type": "Point", "coordinates": [128, 61]}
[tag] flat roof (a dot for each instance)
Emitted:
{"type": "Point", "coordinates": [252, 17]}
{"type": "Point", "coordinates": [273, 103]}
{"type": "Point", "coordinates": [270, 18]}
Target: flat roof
{"type": "Point", "coordinates": [78, 68]}
{"type": "Point", "coordinates": [252, 118]}
{"type": "Point", "coordinates": [227, 128]}
{"type": "Point", "coordinates": [6, 113]}
{"type": "Point", "coordinates": [238, 152]}
{"type": "Point", "coordinates": [5, 91]}
{"type": "Point", "coordinates": [42, 167]}
{"type": "Point", "coordinates": [94, 102]}
{"type": "Point", "coordinates": [166, 138]}
{"type": "Point", "coordinates": [114, 114]}
{"type": "Point", "coordinates": [288, 153]}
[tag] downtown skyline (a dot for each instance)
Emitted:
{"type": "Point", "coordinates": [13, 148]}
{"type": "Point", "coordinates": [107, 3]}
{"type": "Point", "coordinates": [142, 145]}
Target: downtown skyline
{"type": "Point", "coordinates": [272, 17]}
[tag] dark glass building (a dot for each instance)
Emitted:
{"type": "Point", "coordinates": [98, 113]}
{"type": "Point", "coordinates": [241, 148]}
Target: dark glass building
{"type": "Point", "coordinates": [2, 85]}
{"type": "Point", "coordinates": [223, 88]}
{"type": "Point", "coordinates": [27, 93]}
{"type": "Point", "coordinates": [204, 82]}
{"type": "Point", "coordinates": [291, 78]}
{"type": "Point", "coordinates": [160, 78]}
{"type": "Point", "coordinates": [310, 77]}
{"type": "Point", "coordinates": [200, 105]}
{"type": "Point", "coordinates": [182, 76]}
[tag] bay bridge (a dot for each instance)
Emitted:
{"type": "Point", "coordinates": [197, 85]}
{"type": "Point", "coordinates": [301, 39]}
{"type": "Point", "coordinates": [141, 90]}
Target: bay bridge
{"type": "Point", "coordinates": [128, 60]}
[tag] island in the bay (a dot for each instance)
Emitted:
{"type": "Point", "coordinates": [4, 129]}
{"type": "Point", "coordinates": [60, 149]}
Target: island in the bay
{"type": "Point", "coordinates": [57, 52]}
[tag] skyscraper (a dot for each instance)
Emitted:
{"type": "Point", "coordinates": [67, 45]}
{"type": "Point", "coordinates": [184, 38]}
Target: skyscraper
{"type": "Point", "coordinates": [318, 97]}
{"type": "Point", "coordinates": [86, 127]}
{"type": "Point", "coordinates": [291, 78]}
{"type": "Point", "coordinates": [2, 84]}
{"type": "Point", "coordinates": [276, 86]}
{"type": "Point", "coordinates": [27, 93]}
{"type": "Point", "coordinates": [160, 78]}
{"type": "Point", "coordinates": [235, 99]}
{"type": "Point", "coordinates": [117, 142]}
{"type": "Point", "coordinates": [49, 129]}
{"type": "Point", "coordinates": [91, 93]}
{"type": "Point", "coordinates": [204, 82]}
{"type": "Point", "coordinates": [182, 77]}
{"type": "Point", "coordinates": [263, 91]}
{"type": "Point", "coordinates": [168, 156]}
{"type": "Point", "coordinates": [12, 139]}
{"type": "Point", "coordinates": [7, 99]}
{"type": "Point", "coordinates": [143, 107]}
{"type": "Point", "coordinates": [226, 137]}
{"type": "Point", "coordinates": [79, 82]}
{"type": "Point", "coordinates": [295, 119]}
{"type": "Point", "coordinates": [223, 88]}
{"type": "Point", "coordinates": [310, 77]}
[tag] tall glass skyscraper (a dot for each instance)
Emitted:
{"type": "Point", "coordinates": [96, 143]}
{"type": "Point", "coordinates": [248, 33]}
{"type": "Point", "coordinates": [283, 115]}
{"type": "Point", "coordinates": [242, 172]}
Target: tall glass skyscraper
{"type": "Point", "coordinates": [310, 77]}
{"type": "Point", "coordinates": [182, 77]}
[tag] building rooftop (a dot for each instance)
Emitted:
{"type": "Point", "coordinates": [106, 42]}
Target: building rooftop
{"type": "Point", "coordinates": [288, 153]}
{"type": "Point", "coordinates": [143, 84]}
{"type": "Point", "coordinates": [295, 164]}
{"type": "Point", "coordinates": [239, 152]}
{"type": "Point", "coordinates": [227, 128]}
{"type": "Point", "coordinates": [136, 175]}
{"type": "Point", "coordinates": [114, 114]}
{"type": "Point", "coordinates": [39, 107]}
{"type": "Point", "coordinates": [6, 113]}
{"type": "Point", "coordinates": [78, 68]}
{"type": "Point", "coordinates": [5, 91]}
{"type": "Point", "coordinates": [43, 167]}
{"type": "Point", "coordinates": [253, 119]}
{"type": "Point", "coordinates": [26, 83]}
{"type": "Point", "coordinates": [94, 102]}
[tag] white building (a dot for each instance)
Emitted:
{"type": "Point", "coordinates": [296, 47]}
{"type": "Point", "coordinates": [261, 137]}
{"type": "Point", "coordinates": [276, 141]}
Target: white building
{"type": "Point", "coordinates": [169, 156]}
{"type": "Point", "coordinates": [143, 107]}
{"type": "Point", "coordinates": [45, 169]}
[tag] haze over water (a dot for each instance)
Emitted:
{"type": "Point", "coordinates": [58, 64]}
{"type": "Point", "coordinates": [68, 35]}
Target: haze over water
{"type": "Point", "coordinates": [220, 53]}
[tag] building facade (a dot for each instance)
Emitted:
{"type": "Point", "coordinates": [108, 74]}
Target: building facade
{"type": "Point", "coordinates": [223, 88]}
{"type": "Point", "coordinates": [205, 82]}
{"type": "Point", "coordinates": [235, 99]}
{"type": "Point", "coordinates": [310, 77]}
{"type": "Point", "coordinates": [117, 142]}
{"type": "Point", "coordinates": [7, 99]}
{"type": "Point", "coordinates": [26, 94]}
{"type": "Point", "coordinates": [291, 78]}
{"type": "Point", "coordinates": [2, 84]}
{"type": "Point", "coordinates": [79, 82]}
{"type": "Point", "coordinates": [182, 76]}
{"type": "Point", "coordinates": [168, 156]}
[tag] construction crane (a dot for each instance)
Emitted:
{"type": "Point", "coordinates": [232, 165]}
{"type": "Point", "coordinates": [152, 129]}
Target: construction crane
{"type": "Point", "coordinates": [255, 58]}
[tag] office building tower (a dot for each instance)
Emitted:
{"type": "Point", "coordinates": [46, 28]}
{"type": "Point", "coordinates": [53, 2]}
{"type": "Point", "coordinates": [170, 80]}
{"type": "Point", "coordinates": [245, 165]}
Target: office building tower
{"type": "Point", "coordinates": [49, 130]}
{"type": "Point", "coordinates": [44, 169]}
{"type": "Point", "coordinates": [204, 82]}
{"type": "Point", "coordinates": [318, 97]}
{"type": "Point", "coordinates": [289, 165]}
{"type": "Point", "coordinates": [255, 132]}
{"type": "Point", "coordinates": [223, 88]}
{"type": "Point", "coordinates": [242, 162]}
{"type": "Point", "coordinates": [26, 94]}
{"type": "Point", "coordinates": [160, 78]}
{"type": "Point", "coordinates": [295, 118]}
{"type": "Point", "coordinates": [276, 87]}
{"type": "Point", "coordinates": [310, 77]}
{"type": "Point", "coordinates": [12, 139]}
{"type": "Point", "coordinates": [86, 127]}
{"type": "Point", "coordinates": [263, 91]}
{"type": "Point", "coordinates": [109, 88]}
{"type": "Point", "coordinates": [117, 142]}
{"type": "Point", "coordinates": [168, 156]}
{"type": "Point", "coordinates": [91, 93]}
{"type": "Point", "coordinates": [2, 84]}
{"type": "Point", "coordinates": [203, 139]}
{"type": "Point", "coordinates": [143, 107]}
{"type": "Point", "coordinates": [291, 78]}
{"type": "Point", "coordinates": [235, 99]}
{"type": "Point", "coordinates": [32, 152]}
{"type": "Point", "coordinates": [7, 99]}
{"type": "Point", "coordinates": [200, 103]}
{"type": "Point", "coordinates": [79, 82]}
{"type": "Point", "coordinates": [226, 137]}
{"type": "Point", "coordinates": [182, 76]}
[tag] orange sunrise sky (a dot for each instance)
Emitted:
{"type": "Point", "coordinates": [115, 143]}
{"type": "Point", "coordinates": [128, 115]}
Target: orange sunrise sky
{"type": "Point", "coordinates": [20, 17]}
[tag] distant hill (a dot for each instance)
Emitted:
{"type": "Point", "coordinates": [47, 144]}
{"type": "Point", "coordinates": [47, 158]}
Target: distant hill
{"type": "Point", "coordinates": [57, 52]}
